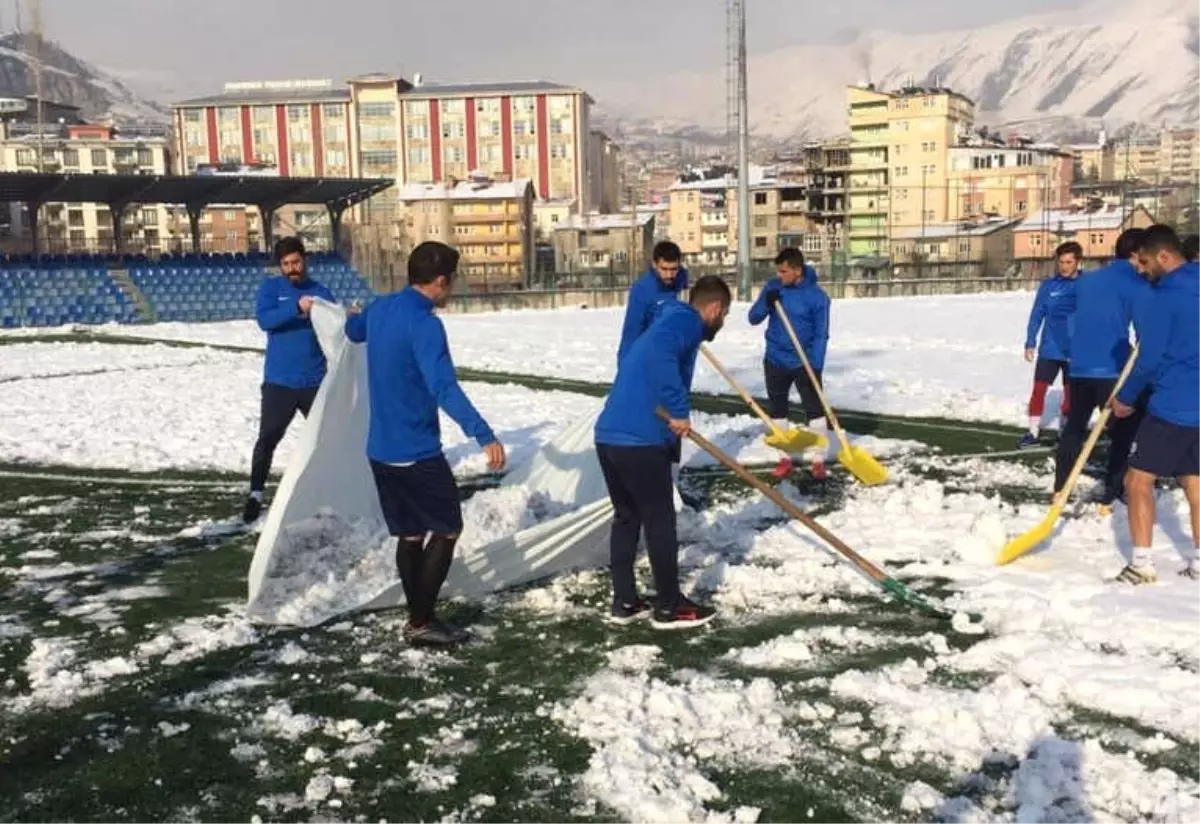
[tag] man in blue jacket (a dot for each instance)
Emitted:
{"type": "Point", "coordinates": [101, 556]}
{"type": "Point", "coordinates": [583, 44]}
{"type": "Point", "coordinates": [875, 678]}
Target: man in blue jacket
{"type": "Point", "coordinates": [635, 448]}
{"type": "Point", "coordinates": [410, 375]}
{"type": "Point", "coordinates": [1168, 440]}
{"type": "Point", "coordinates": [807, 306]}
{"type": "Point", "coordinates": [1106, 303]}
{"type": "Point", "coordinates": [295, 364]}
{"type": "Point", "coordinates": [664, 281]}
{"type": "Point", "coordinates": [1051, 315]}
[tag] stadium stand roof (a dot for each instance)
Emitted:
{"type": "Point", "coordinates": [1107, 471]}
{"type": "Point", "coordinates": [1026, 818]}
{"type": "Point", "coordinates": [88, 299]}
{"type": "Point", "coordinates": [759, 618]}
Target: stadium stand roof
{"type": "Point", "coordinates": [196, 192]}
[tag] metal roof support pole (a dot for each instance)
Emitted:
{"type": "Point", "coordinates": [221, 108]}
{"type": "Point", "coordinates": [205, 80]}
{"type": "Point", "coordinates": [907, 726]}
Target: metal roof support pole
{"type": "Point", "coordinates": [31, 209]}
{"type": "Point", "coordinates": [335, 226]}
{"type": "Point", "coordinates": [117, 212]}
{"type": "Point", "coordinates": [267, 215]}
{"type": "Point", "coordinates": [194, 211]}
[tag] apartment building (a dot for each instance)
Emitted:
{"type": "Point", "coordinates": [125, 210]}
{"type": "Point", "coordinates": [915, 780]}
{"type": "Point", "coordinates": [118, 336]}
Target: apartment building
{"type": "Point", "coordinates": [1008, 181]}
{"type": "Point", "coordinates": [828, 166]}
{"type": "Point", "coordinates": [82, 148]}
{"type": "Point", "coordinates": [954, 248]}
{"type": "Point", "coordinates": [490, 223]}
{"type": "Point", "coordinates": [1179, 156]}
{"type": "Point", "coordinates": [381, 125]}
{"type": "Point", "coordinates": [1138, 158]}
{"type": "Point", "coordinates": [899, 144]}
{"type": "Point", "coordinates": [604, 173]}
{"type": "Point", "coordinates": [599, 242]}
{"type": "Point", "coordinates": [1095, 229]}
{"type": "Point", "coordinates": [702, 215]}
{"type": "Point", "coordinates": [1094, 161]}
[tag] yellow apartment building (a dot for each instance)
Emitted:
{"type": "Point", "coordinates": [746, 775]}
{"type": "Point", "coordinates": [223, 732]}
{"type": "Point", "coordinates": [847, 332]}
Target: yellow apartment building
{"type": "Point", "coordinates": [1007, 181]}
{"type": "Point", "coordinates": [489, 222]}
{"type": "Point", "coordinates": [899, 150]}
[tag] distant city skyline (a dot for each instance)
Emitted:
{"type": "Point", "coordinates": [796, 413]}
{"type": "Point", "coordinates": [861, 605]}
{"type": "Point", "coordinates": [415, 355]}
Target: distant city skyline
{"type": "Point", "coordinates": [153, 45]}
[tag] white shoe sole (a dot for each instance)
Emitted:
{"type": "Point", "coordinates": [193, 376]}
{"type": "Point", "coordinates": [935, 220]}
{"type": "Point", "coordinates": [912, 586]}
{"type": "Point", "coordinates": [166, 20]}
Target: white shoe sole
{"type": "Point", "coordinates": [668, 625]}
{"type": "Point", "coordinates": [632, 619]}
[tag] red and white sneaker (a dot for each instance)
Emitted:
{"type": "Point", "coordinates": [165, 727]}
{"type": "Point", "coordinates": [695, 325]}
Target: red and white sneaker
{"type": "Point", "coordinates": [783, 468]}
{"type": "Point", "coordinates": [687, 614]}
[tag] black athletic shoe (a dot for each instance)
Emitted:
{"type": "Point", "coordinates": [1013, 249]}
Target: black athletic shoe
{"type": "Point", "coordinates": [1028, 441]}
{"type": "Point", "coordinates": [690, 501]}
{"type": "Point", "coordinates": [687, 614]}
{"type": "Point", "coordinates": [628, 613]}
{"type": "Point", "coordinates": [429, 635]}
{"type": "Point", "coordinates": [252, 510]}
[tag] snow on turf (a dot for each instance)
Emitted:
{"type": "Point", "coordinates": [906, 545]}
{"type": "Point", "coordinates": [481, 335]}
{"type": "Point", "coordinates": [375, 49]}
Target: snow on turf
{"type": "Point", "coordinates": [956, 356]}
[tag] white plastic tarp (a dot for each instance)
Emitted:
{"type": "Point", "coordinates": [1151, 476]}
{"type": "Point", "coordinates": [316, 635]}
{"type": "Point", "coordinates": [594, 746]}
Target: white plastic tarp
{"type": "Point", "coordinates": [324, 548]}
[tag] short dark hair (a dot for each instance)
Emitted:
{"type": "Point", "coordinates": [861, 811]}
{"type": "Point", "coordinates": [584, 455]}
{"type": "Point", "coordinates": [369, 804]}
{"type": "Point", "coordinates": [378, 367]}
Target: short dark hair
{"type": "Point", "coordinates": [1128, 242]}
{"type": "Point", "coordinates": [791, 256]}
{"type": "Point", "coordinates": [289, 246]}
{"type": "Point", "coordinates": [430, 261]}
{"type": "Point", "coordinates": [1191, 247]}
{"type": "Point", "coordinates": [1069, 248]}
{"type": "Point", "coordinates": [1160, 238]}
{"type": "Point", "coordinates": [708, 289]}
{"type": "Point", "coordinates": [667, 251]}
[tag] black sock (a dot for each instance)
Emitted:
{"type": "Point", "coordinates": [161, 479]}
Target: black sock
{"type": "Point", "coordinates": [435, 565]}
{"type": "Point", "coordinates": [408, 566]}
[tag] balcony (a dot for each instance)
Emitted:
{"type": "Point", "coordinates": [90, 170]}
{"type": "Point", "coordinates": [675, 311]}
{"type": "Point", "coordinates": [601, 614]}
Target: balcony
{"type": "Point", "coordinates": [868, 186]}
{"type": "Point", "coordinates": [714, 218]}
{"type": "Point", "coordinates": [482, 217]}
{"type": "Point", "coordinates": [793, 206]}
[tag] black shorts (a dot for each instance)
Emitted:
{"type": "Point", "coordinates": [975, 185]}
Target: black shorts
{"type": "Point", "coordinates": [1166, 450]}
{"type": "Point", "coordinates": [419, 498]}
{"type": "Point", "coordinates": [1046, 371]}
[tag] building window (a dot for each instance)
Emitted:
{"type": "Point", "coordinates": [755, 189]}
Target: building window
{"type": "Point", "coordinates": [229, 115]}
{"type": "Point", "coordinates": [149, 217]}
{"type": "Point", "coordinates": [760, 221]}
{"type": "Point", "coordinates": [760, 198]}
{"type": "Point", "coordinates": [333, 111]}
{"type": "Point", "coordinates": [377, 132]}
{"type": "Point", "coordinates": [377, 110]}
{"type": "Point", "coordinates": [560, 152]}
{"type": "Point", "coordinates": [418, 131]}
{"type": "Point", "coordinates": [99, 157]}
{"type": "Point", "coordinates": [522, 128]}
{"type": "Point", "coordinates": [488, 105]}
{"type": "Point", "coordinates": [145, 157]}
{"type": "Point", "coordinates": [1021, 206]}
{"type": "Point", "coordinates": [454, 105]}
{"type": "Point", "coordinates": [760, 242]}
{"type": "Point", "coordinates": [523, 152]}
{"type": "Point", "coordinates": [418, 156]}
{"type": "Point", "coordinates": [295, 113]}
{"type": "Point", "coordinates": [416, 108]}
{"type": "Point", "coordinates": [454, 154]}
{"type": "Point", "coordinates": [453, 130]}
{"type": "Point", "coordinates": [524, 104]}
{"type": "Point", "coordinates": [26, 157]}
{"type": "Point", "coordinates": [191, 115]}
{"type": "Point", "coordinates": [379, 158]}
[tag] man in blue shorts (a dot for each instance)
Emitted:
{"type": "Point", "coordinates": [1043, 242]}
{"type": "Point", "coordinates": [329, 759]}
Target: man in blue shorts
{"type": "Point", "coordinates": [1051, 315]}
{"type": "Point", "coordinates": [410, 375]}
{"type": "Point", "coordinates": [636, 449]}
{"type": "Point", "coordinates": [1168, 441]}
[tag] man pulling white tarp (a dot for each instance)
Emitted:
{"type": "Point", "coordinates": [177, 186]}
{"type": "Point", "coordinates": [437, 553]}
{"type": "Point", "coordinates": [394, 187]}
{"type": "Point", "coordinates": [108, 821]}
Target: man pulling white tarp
{"type": "Point", "coordinates": [325, 550]}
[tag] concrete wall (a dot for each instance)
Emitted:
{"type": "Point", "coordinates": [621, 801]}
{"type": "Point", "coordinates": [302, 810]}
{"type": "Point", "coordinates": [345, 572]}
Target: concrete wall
{"type": "Point", "coordinates": [605, 298]}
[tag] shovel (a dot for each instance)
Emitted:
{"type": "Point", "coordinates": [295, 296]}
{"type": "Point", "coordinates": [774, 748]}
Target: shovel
{"type": "Point", "coordinates": [790, 441]}
{"type": "Point", "coordinates": [858, 461]}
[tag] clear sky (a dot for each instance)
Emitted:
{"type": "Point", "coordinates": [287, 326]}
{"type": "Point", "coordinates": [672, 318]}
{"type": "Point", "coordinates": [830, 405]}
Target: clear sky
{"type": "Point", "coordinates": [190, 47]}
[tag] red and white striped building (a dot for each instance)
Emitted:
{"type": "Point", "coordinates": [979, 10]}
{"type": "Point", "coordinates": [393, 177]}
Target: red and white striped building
{"type": "Point", "coordinates": [385, 126]}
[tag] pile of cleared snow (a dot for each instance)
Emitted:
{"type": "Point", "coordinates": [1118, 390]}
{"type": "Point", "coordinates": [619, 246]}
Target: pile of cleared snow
{"type": "Point", "coordinates": [328, 564]}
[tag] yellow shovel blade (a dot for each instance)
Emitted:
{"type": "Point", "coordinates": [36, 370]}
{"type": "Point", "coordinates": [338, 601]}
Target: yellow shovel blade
{"type": "Point", "coordinates": [863, 466]}
{"type": "Point", "coordinates": [1021, 544]}
{"type": "Point", "coordinates": [793, 441]}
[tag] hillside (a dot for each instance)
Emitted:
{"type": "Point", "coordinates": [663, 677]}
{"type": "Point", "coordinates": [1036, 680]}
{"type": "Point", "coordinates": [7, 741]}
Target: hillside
{"type": "Point", "coordinates": [1112, 61]}
{"type": "Point", "coordinates": [67, 79]}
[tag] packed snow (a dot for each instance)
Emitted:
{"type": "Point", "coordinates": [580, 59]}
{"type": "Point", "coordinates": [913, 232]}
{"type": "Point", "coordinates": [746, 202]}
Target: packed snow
{"type": "Point", "coordinates": [955, 356]}
{"type": "Point", "coordinates": [1055, 706]}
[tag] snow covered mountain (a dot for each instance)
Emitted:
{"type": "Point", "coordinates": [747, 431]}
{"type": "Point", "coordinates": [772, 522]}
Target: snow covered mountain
{"type": "Point", "coordinates": [66, 79]}
{"type": "Point", "coordinates": [1113, 60]}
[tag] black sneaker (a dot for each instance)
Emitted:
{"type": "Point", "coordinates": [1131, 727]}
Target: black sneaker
{"type": "Point", "coordinates": [628, 613]}
{"type": "Point", "coordinates": [429, 635]}
{"type": "Point", "coordinates": [1028, 441]}
{"type": "Point", "coordinates": [687, 614]}
{"type": "Point", "coordinates": [252, 510]}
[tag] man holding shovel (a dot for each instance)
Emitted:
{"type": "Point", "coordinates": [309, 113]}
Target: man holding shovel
{"type": "Point", "coordinates": [807, 307]}
{"type": "Point", "coordinates": [636, 449]}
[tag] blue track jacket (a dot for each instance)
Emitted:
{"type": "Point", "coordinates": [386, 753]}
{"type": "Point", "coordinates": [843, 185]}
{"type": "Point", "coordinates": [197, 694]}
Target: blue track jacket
{"type": "Point", "coordinates": [1106, 303]}
{"type": "Point", "coordinates": [1169, 357]}
{"type": "Point", "coordinates": [807, 307]}
{"type": "Point", "coordinates": [1052, 313]}
{"type": "Point", "coordinates": [657, 371]}
{"type": "Point", "coordinates": [294, 357]}
{"type": "Point", "coordinates": [409, 375]}
{"type": "Point", "coordinates": [645, 293]}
